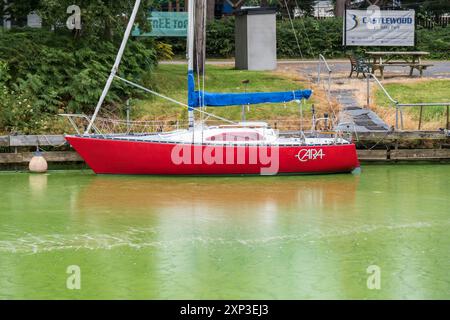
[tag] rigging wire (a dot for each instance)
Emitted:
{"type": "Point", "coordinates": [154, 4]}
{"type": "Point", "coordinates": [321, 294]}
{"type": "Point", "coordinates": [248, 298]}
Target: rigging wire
{"type": "Point", "coordinates": [311, 50]}
{"type": "Point", "coordinates": [172, 100]}
{"type": "Point", "coordinates": [293, 29]}
{"type": "Point", "coordinates": [305, 32]}
{"type": "Point", "coordinates": [203, 107]}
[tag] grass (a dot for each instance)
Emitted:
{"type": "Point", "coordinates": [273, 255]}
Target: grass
{"type": "Point", "coordinates": [170, 80]}
{"type": "Point", "coordinates": [423, 91]}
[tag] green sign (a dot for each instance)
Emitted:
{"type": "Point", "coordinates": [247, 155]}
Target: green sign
{"type": "Point", "coordinates": [165, 24]}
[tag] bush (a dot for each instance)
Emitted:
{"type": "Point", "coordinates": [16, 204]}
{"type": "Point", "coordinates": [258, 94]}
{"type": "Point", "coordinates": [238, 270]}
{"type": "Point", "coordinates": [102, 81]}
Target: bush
{"type": "Point", "coordinates": [220, 38]}
{"type": "Point", "coordinates": [436, 41]}
{"type": "Point", "coordinates": [314, 37]}
{"type": "Point", "coordinates": [53, 73]}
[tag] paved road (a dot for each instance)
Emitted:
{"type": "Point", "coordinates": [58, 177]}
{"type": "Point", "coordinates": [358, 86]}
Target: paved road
{"type": "Point", "coordinates": [341, 67]}
{"type": "Point", "coordinates": [440, 69]}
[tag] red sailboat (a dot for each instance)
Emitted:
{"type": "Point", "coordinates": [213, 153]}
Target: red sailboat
{"type": "Point", "coordinates": [243, 148]}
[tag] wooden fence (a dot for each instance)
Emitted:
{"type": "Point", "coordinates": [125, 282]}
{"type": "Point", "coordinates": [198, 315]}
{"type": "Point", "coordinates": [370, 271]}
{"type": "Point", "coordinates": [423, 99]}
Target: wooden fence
{"type": "Point", "coordinates": [433, 22]}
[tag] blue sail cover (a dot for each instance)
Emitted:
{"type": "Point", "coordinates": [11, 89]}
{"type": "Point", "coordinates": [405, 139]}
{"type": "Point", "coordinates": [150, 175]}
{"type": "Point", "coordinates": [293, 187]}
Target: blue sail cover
{"type": "Point", "coordinates": [199, 98]}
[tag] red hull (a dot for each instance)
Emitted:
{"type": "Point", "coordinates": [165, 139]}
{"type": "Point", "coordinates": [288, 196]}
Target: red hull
{"type": "Point", "coordinates": [109, 156]}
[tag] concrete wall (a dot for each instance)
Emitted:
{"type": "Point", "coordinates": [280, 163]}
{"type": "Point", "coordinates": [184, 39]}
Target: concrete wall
{"type": "Point", "coordinates": [256, 42]}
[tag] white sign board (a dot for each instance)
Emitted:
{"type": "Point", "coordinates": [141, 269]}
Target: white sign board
{"type": "Point", "coordinates": [374, 27]}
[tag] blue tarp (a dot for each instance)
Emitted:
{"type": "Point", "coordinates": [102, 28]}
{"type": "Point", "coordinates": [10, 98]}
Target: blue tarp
{"type": "Point", "coordinates": [200, 98]}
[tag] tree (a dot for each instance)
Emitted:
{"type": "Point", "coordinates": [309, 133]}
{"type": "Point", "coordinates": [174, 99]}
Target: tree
{"type": "Point", "coordinates": [428, 7]}
{"type": "Point", "coordinates": [210, 9]}
{"type": "Point", "coordinates": [14, 9]}
{"type": "Point", "coordinates": [339, 7]}
{"type": "Point", "coordinates": [100, 18]}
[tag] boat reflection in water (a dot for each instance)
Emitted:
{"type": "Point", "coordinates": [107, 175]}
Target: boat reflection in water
{"type": "Point", "coordinates": [222, 237]}
{"type": "Point", "coordinates": [222, 194]}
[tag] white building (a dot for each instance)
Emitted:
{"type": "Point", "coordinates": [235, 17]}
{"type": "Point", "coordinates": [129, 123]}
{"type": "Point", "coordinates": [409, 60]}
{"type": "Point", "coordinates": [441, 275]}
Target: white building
{"type": "Point", "coordinates": [33, 20]}
{"type": "Point", "coordinates": [323, 9]}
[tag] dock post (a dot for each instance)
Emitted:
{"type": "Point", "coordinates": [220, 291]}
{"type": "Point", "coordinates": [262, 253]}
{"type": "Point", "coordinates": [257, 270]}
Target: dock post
{"type": "Point", "coordinates": [448, 120]}
{"type": "Point", "coordinates": [319, 71]}
{"type": "Point", "coordinates": [401, 118]}
{"type": "Point", "coordinates": [128, 116]}
{"type": "Point", "coordinates": [396, 117]}
{"type": "Point", "coordinates": [368, 92]}
{"type": "Point", "coordinates": [420, 117]}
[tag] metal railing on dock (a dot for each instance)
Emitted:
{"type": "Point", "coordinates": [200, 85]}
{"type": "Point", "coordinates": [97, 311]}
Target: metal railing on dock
{"type": "Point", "coordinates": [399, 106]}
{"type": "Point", "coordinates": [422, 105]}
{"type": "Point", "coordinates": [323, 61]}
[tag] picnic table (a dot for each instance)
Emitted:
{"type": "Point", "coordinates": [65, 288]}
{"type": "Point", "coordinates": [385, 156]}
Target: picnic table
{"type": "Point", "coordinates": [411, 59]}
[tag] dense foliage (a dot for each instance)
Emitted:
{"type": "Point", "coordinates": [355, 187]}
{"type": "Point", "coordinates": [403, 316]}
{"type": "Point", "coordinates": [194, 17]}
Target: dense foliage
{"type": "Point", "coordinates": [314, 37]}
{"type": "Point", "coordinates": [43, 73]}
{"type": "Point", "coordinates": [100, 18]}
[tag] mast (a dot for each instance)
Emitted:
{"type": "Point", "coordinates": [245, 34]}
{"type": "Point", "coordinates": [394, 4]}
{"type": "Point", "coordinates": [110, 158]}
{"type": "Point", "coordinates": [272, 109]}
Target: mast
{"type": "Point", "coordinates": [190, 55]}
{"type": "Point", "coordinates": [116, 64]}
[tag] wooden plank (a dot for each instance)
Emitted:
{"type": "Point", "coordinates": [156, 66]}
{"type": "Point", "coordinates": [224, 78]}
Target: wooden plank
{"type": "Point", "coordinates": [11, 158]}
{"type": "Point", "coordinates": [383, 135]}
{"type": "Point", "coordinates": [375, 155]}
{"type": "Point", "coordinates": [397, 53]}
{"type": "Point", "coordinates": [54, 156]}
{"type": "Point", "coordinates": [35, 140]}
{"type": "Point", "coordinates": [4, 141]}
{"type": "Point", "coordinates": [413, 65]}
{"type": "Point", "coordinates": [402, 135]}
{"type": "Point", "coordinates": [420, 154]}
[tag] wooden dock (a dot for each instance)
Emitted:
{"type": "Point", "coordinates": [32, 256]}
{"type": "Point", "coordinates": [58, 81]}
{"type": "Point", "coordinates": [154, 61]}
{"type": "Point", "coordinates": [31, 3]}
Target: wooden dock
{"type": "Point", "coordinates": [372, 147]}
{"type": "Point", "coordinates": [18, 150]}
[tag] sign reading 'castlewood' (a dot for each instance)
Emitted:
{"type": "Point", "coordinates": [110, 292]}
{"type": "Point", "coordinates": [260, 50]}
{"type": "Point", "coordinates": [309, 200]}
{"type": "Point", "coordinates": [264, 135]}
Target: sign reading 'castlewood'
{"type": "Point", "coordinates": [165, 24]}
{"type": "Point", "coordinates": [379, 28]}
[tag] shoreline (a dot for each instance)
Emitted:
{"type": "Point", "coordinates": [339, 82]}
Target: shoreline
{"type": "Point", "coordinates": [373, 147]}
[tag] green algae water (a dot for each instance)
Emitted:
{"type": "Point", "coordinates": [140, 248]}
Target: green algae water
{"type": "Point", "coordinates": [299, 237]}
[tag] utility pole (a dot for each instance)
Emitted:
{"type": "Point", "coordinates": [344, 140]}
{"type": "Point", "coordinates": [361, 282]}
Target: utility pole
{"type": "Point", "coordinates": [200, 37]}
{"type": "Point", "coordinates": [339, 9]}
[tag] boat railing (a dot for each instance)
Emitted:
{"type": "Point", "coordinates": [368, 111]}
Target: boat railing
{"type": "Point", "coordinates": [109, 126]}
{"type": "Point", "coordinates": [316, 128]}
{"type": "Point", "coordinates": [399, 119]}
{"type": "Point", "coordinates": [79, 122]}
